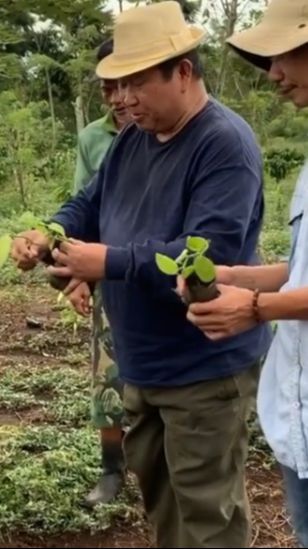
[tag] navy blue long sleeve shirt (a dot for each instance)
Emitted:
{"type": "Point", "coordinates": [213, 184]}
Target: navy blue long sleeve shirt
{"type": "Point", "coordinates": [148, 197]}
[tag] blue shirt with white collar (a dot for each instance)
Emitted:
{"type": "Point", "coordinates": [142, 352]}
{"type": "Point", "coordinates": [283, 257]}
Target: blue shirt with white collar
{"type": "Point", "coordinates": [283, 390]}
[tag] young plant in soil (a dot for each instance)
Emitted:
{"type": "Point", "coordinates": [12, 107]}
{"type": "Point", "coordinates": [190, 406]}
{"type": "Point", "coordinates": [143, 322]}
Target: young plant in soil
{"type": "Point", "coordinates": [56, 235]}
{"type": "Point", "coordinates": [197, 270]}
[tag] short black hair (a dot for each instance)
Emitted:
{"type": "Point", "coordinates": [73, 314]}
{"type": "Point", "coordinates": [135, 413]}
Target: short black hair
{"type": "Point", "coordinates": [106, 48]}
{"type": "Point", "coordinates": [167, 67]}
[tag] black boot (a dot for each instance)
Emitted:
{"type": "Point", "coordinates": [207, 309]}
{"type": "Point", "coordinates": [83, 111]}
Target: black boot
{"type": "Point", "coordinates": [112, 479]}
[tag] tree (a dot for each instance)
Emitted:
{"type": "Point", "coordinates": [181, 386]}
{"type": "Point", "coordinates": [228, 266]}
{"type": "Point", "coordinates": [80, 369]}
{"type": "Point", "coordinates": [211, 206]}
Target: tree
{"type": "Point", "coordinates": [223, 18]}
{"type": "Point", "coordinates": [24, 139]}
{"type": "Point", "coordinates": [40, 62]}
{"type": "Point", "coordinates": [53, 43]}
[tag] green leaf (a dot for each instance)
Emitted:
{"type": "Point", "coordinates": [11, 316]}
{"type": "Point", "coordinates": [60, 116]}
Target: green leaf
{"type": "Point", "coordinates": [197, 244]}
{"type": "Point", "coordinates": [187, 271]}
{"type": "Point", "coordinates": [56, 229]}
{"type": "Point", "coordinates": [205, 269]}
{"type": "Point", "coordinates": [166, 265]}
{"type": "Point", "coordinates": [42, 227]}
{"type": "Point", "coordinates": [5, 248]}
{"type": "Point", "coordinates": [28, 220]}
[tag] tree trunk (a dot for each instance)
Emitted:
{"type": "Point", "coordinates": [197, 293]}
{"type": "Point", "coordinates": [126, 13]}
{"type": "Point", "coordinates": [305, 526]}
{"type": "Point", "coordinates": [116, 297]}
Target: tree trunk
{"type": "Point", "coordinates": [87, 105]}
{"type": "Point", "coordinates": [17, 169]}
{"type": "Point", "coordinates": [121, 5]}
{"type": "Point", "coordinates": [230, 11]}
{"type": "Point", "coordinates": [20, 185]}
{"type": "Point", "coordinates": [52, 109]}
{"type": "Point", "coordinates": [79, 114]}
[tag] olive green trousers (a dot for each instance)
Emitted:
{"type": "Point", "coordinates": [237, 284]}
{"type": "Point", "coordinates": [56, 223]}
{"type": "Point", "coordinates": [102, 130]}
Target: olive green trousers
{"type": "Point", "coordinates": [188, 447]}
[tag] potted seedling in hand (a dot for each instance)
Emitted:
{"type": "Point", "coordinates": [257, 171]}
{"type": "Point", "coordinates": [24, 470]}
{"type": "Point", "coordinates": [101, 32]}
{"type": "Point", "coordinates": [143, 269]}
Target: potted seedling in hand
{"type": "Point", "coordinates": [197, 270]}
{"type": "Point", "coordinates": [55, 234]}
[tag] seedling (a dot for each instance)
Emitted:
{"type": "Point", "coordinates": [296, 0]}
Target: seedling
{"type": "Point", "coordinates": [55, 233]}
{"type": "Point", "coordinates": [192, 265]}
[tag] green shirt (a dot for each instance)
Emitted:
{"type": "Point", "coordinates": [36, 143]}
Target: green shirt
{"type": "Point", "coordinates": [93, 142]}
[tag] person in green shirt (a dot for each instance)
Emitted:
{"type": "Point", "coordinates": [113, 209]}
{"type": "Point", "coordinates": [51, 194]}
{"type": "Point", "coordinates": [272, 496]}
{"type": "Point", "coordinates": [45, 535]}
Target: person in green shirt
{"type": "Point", "coordinates": [106, 407]}
{"type": "Point", "coordinates": [95, 139]}
{"type": "Point", "coordinates": [93, 142]}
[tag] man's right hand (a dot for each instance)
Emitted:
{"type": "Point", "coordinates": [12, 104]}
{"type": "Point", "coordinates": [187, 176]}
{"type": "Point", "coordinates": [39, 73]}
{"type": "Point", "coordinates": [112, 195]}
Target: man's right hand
{"type": "Point", "coordinates": [28, 248]}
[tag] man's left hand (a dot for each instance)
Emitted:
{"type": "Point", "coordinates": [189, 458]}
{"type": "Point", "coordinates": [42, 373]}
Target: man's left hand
{"type": "Point", "coordinates": [80, 260]}
{"type": "Point", "coordinates": [228, 315]}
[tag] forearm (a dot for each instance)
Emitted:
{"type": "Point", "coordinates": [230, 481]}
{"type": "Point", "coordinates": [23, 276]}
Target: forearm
{"type": "Point", "coordinates": [291, 305]}
{"type": "Point", "coordinates": [267, 278]}
{"type": "Point", "coordinates": [136, 263]}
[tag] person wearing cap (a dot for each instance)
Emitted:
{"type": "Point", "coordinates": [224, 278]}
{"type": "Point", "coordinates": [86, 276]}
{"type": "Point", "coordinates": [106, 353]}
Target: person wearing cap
{"type": "Point", "coordinates": [187, 166]}
{"type": "Point", "coordinates": [278, 45]}
{"type": "Point", "coordinates": [93, 142]}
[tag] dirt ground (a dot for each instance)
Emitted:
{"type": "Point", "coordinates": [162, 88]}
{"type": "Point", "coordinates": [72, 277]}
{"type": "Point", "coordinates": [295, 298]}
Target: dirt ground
{"type": "Point", "coordinates": [270, 524]}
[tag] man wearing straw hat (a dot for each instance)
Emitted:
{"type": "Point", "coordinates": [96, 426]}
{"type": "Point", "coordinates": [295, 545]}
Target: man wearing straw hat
{"type": "Point", "coordinates": [279, 45]}
{"type": "Point", "coordinates": [188, 165]}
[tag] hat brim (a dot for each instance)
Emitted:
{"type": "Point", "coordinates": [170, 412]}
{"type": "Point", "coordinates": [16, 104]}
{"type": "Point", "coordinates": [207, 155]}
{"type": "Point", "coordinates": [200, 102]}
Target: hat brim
{"type": "Point", "coordinates": [259, 44]}
{"type": "Point", "coordinates": [109, 68]}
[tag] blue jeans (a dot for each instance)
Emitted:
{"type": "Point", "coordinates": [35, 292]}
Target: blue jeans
{"type": "Point", "coordinates": [297, 501]}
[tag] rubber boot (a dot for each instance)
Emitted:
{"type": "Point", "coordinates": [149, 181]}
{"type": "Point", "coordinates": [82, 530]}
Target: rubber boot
{"type": "Point", "coordinates": [112, 478]}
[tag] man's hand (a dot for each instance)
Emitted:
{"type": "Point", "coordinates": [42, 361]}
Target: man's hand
{"type": "Point", "coordinates": [72, 285]}
{"type": "Point", "coordinates": [226, 316]}
{"type": "Point", "coordinates": [28, 248]}
{"type": "Point", "coordinates": [80, 260]}
{"type": "Point", "coordinates": [80, 299]}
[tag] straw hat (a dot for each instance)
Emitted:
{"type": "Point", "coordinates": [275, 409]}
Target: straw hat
{"type": "Point", "coordinates": [147, 36]}
{"type": "Point", "coordinates": [284, 27]}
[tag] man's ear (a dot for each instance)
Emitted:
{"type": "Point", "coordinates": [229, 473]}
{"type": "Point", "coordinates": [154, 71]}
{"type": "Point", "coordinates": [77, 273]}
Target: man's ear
{"type": "Point", "coordinates": [185, 70]}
